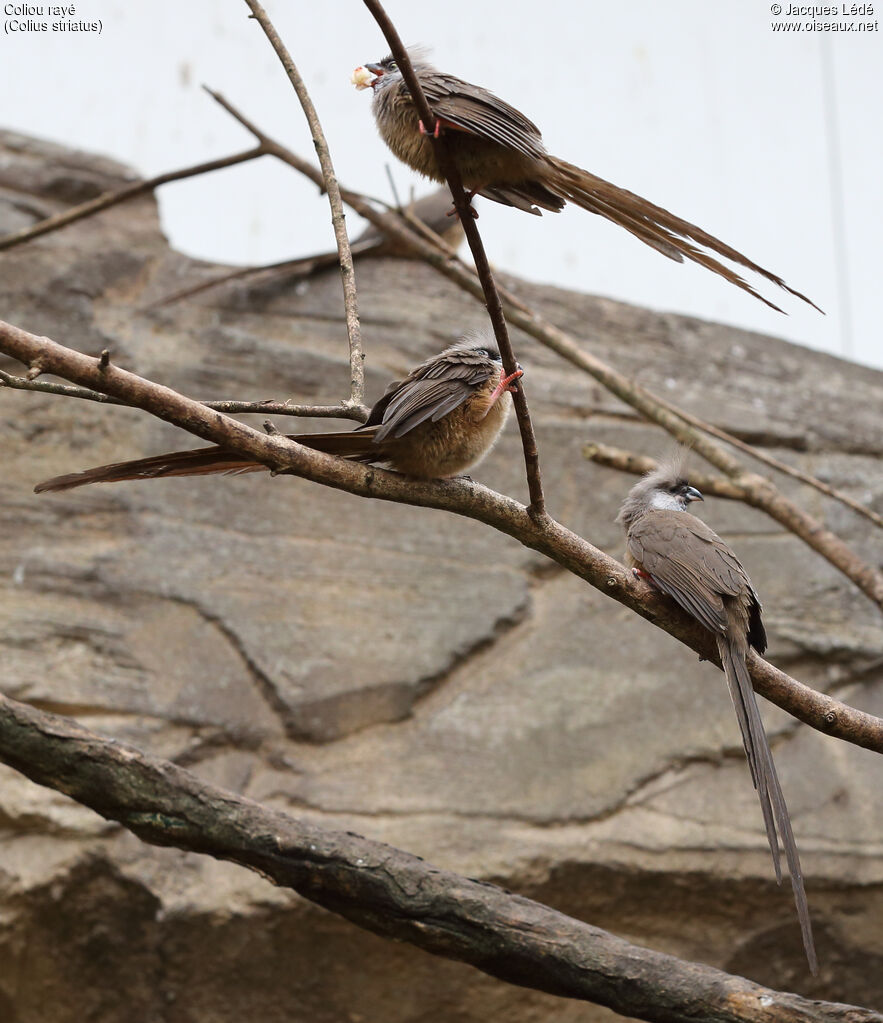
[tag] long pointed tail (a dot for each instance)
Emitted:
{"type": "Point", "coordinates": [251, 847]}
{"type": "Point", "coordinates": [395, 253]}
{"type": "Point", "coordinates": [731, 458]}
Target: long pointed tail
{"type": "Point", "coordinates": [356, 444]}
{"type": "Point", "coordinates": [657, 227]}
{"type": "Point", "coordinates": [766, 781]}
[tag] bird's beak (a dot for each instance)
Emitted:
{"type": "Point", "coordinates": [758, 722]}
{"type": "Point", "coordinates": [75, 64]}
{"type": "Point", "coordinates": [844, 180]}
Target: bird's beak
{"type": "Point", "coordinates": [375, 69]}
{"type": "Point", "coordinates": [692, 494]}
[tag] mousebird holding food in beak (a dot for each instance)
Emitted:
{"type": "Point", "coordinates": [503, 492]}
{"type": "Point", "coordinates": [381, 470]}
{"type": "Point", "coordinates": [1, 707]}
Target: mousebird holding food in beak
{"type": "Point", "coordinates": [500, 155]}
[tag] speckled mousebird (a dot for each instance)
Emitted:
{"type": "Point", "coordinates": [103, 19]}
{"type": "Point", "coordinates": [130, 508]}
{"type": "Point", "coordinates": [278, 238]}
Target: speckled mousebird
{"type": "Point", "coordinates": [500, 155]}
{"type": "Point", "coordinates": [441, 420]}
{"type": "Point", "coordinates": [685, 559]}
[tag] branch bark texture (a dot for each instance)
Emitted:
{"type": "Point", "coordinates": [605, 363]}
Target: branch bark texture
{"type": "Point", "coordinates": [388, 891]}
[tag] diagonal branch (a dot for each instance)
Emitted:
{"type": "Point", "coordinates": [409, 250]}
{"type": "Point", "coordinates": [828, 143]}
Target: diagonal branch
{"type": "Point", "coordinates": [451, 173]}
{"type": "Point", "coordinates": [108, 199]}
{"type": "Point", "coordinates": [776, 463]}
{"type": "Point", "coordinates": [332, 189]}
{"type": "Point", "coordinates": [638, 465]}
{"type": "Point", "coordinates": [388, 891]}
{"type": "Point", "coordinates": [462, 497]}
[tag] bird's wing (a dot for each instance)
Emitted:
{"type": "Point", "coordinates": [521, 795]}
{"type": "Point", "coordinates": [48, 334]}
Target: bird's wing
{"type": "Point", "coordinates": [430, 392]}
{"type": "Point", "coordinates": [478, 111]}
{"type": "Point", "coordinates": [690, 563]}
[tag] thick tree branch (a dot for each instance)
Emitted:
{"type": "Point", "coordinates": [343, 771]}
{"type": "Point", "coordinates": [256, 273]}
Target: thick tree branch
{"type": "Point", "coordinates": [449, 170]}
{"type": "Point", "coordinates": [332, 190]}
{"type": "Point", "coordinates": [459, 496]}
{"type": "Point", "coordinates": [388, 891]}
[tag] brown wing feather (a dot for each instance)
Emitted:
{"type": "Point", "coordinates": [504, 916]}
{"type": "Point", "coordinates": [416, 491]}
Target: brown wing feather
{"type": "Point", "coordinates": [689, 561]}
{"type": "Point", "coordinates": [478, 111]}
{"type": "Point", "coordinates": [430, 391]}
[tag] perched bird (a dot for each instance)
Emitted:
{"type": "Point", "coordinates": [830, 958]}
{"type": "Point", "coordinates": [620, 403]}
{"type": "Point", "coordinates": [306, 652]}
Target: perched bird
{"type": "Point", "coordinates": [500, 155]}
{"type": "Point", "coordinates": [431, 209]}
{"type": "Point", "coordinates": [679, 555]}
{"type": "Point", "coordinates": [442, 419]}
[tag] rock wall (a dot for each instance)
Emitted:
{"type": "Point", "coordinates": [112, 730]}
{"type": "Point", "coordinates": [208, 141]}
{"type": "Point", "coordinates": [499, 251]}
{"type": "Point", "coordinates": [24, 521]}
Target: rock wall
{"type": "Point", "coordinates": [399, 672]}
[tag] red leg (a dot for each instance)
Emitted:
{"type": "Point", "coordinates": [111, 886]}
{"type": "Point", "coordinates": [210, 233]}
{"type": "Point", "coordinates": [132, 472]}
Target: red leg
{"type": "Point", "coordinates": [436, 131]}
{"type": "Point", "coordinates": [639, 573]}
{"type": "Point", "coordinates": [504, 385]}
{"type": "Point", "coordinates": [506, 381]}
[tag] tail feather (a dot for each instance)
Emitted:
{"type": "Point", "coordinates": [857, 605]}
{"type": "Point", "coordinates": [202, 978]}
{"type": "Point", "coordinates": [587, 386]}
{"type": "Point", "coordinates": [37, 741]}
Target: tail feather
{"type": "Point", "coordinates": [659, 228]}
{"type": "Point", "coordinates": [758, 774]}
{"type": "Point", "coordinates": [526, 197]}
{"type": "Point", "coordinates": [766, 781]}
{"type": "Point", "coordinates": [357, 444]}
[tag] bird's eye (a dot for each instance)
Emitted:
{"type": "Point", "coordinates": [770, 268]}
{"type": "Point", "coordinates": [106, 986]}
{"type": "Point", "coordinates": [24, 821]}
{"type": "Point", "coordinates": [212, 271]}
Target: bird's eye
{"type": "Point", "coordinates": [393, 66]}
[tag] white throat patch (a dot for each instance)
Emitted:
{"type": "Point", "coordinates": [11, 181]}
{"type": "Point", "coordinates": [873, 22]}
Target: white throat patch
{"type": "Point", "coordinates": [663, 501]}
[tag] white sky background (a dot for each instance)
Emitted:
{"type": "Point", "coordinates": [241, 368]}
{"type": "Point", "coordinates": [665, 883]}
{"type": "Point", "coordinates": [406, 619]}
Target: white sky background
{"type": "Point", "coordinates": [771, 141]}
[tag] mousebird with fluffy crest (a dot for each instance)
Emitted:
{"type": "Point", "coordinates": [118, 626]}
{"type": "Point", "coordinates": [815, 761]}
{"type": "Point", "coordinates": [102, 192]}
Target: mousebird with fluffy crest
{"type": "Point", "coordinates": [682, 557]}
{"type": "Point", "coordinates": [500, 154]}
{"type": "Point", "coordinates": [441, 420]}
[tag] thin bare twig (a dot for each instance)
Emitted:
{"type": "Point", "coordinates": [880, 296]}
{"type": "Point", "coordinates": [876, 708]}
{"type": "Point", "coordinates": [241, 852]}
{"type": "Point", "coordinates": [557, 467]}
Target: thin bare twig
{"type": "Point", "coordinates": [448, 168]}
{"type": "Point", "coordinates": [345, 410]}
{"type": "Point", "coordinates": [108, 199]}
{"type": "Point", "coordinates": [461, 497]}
{"type": "Point", "coordinates": [332, 190]}
{"type": "Point", "coordinates": [776, 463]}
{"type": "Point", "coordinates": [302, 266]}
{"type": "Point", "coordinates": [387, 891]}
{"type": "Point", "coordinates": [272, 270]}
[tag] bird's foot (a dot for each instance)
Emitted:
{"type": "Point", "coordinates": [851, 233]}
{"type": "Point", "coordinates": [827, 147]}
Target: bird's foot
{"type": "Point", "coordinates": [506, 381]}
{"type": "Point", "coordinates": [452, 212]}
{"type": "Point", "coordinates": [436, 131]}
{"type": "Point", "coordinates": [639, 573]}
{"type": "Point", "coordinates": [505, 384]}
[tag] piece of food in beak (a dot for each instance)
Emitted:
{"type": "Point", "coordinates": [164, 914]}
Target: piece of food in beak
{"type": "Point", "coordinates": [362, 77]}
